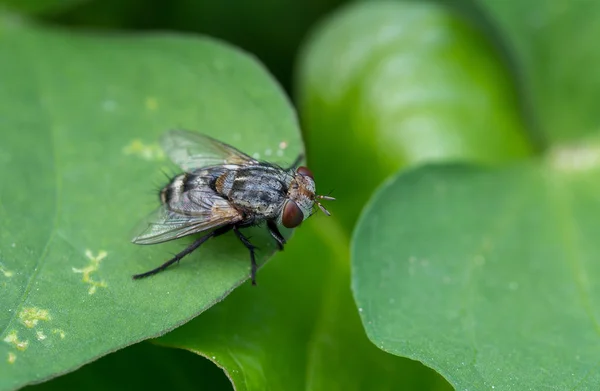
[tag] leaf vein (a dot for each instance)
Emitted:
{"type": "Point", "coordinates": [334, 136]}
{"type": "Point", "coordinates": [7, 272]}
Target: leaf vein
{"type": "Point", "coordinates": [573, 250]}
{"type": "Point", "coordinates": [497, 229]}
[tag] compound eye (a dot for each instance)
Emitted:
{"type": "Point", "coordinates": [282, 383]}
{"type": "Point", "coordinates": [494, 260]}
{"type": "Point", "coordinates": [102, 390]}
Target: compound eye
{"type": "Point", "coordinates": [292, 215]}
{"type": "Point", "coordinates": [304, 171]}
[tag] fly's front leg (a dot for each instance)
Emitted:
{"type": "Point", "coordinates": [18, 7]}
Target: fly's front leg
{"type": "Point", "coordinates": [274, 231]}
{"type": "Point", "coordinates": [251, 248]}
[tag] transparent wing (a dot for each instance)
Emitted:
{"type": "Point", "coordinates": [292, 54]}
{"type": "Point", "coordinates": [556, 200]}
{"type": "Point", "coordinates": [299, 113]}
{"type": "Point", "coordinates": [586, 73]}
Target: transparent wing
{"type": "Point", "coordinates": [195, 211]}
{"type": "Point", "coordinates": [191, 150]}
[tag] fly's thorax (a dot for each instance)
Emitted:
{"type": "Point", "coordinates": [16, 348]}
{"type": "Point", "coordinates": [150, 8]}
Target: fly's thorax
{"type": "Point", "coordinates": [259, 190]}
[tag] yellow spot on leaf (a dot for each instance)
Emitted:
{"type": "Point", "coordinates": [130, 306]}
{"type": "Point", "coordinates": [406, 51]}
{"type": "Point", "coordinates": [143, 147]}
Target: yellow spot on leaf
{"type": "Point", "coordinates": [283, 145]}
{"type": "Point", "coordinates": [59, 332]}
{"type": "Point", "coordinates": [151, 103]}
{"type": "Point", "coordinates": [12, 358]}
{"type": "Point", "coordinates": [40, 335]}
{"type": "Point", "coordinates": [145, 151]}
{"type": "Point", "coordinates": [13, 340]}
{"type": "Point", "coordinates": [91, 268]}
{"type": "Point", "coordinates": [31, 316]}
{"type": "Point", "coordinates": [6, 273]}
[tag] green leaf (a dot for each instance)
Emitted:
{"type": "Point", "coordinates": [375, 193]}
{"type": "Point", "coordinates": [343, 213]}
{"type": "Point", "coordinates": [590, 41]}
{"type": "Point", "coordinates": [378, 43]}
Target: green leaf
{"type": "Point", "coordinates": [142, 367]}
{"type": "Point", "coordinates": [300, 329]}
{"type": "Point", "coordinates": [79, 120]}
{"type": "Point", "coordinates": [395, 83]}
{"type": "Point", "coordinates": [488, 276]}
{"type": "Point", "coordinates": [39, 6]}
{"type": "Point", "coordinates": [554, 47]}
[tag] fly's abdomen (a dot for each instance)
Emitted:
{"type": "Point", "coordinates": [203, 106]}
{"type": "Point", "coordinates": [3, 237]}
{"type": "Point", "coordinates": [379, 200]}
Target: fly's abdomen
{"type": "Point", "coordinates": [197, 181]}
{"type": "Point", "coordinates": [173, 191]}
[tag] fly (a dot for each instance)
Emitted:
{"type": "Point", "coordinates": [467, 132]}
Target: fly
{"type": "Point", "coordinates": [222, 189]}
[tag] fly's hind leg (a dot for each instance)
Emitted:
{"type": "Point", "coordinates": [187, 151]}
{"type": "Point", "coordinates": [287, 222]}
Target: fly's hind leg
{"type": "Point", "coordinates": [185, 252]}
{"type": "Point", "coordinates": [250, 248]}
{"type": "Point", "coordinates": [274, 231]}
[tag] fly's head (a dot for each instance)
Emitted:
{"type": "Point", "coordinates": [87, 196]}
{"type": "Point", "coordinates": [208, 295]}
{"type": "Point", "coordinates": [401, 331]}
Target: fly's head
{"type": "Point", "coordinates": [301, 199]}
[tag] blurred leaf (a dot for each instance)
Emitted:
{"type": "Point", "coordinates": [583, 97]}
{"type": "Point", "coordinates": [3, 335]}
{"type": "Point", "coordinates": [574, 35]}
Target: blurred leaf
{"type": "Point", "coordinates": [39, 6]}
{"type": "Point", "coordinates": [79, 122]}
{"type": "Point", "coordinates": [391, 84]}
{"type": "Point", "coordinates": [555, 47]}
{"type": "Point", "coordinates": [300, 329]}
{"type": "Point", "coordinates": [143, 367]}
{"type": "Point", "coordinates": [487, 276]}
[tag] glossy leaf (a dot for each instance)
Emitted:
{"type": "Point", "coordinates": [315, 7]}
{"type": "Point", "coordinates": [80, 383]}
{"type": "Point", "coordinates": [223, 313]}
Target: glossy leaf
{"type": "Point", "coordinates": [79, 122]}
{"type": "Point", "coordinates": [389, 84]}
{"type": "Point", "coordinates": [488, 276]}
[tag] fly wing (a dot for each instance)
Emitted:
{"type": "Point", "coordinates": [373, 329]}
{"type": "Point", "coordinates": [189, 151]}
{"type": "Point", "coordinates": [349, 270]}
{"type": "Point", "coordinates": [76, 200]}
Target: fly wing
{"type": "Point", "coordinates": [191, 150]}
{"type": "Point", "coordinates": [195, 211]}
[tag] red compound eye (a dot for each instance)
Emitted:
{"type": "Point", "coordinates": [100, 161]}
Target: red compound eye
{"type": "Point", "coordinates": [292, 215]}
{"type": "Point", "coordinates": [305, 172]}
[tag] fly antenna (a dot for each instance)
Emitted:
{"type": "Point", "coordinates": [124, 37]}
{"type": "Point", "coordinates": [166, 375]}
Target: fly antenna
{"type": "Point", "coordinates": [324, 197]}
{"type": "Point", "coordinates": [323, 209]}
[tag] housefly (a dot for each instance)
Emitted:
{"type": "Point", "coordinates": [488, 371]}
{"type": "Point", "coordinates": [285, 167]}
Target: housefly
{"type": "Point", "coordinates": [222, 189]}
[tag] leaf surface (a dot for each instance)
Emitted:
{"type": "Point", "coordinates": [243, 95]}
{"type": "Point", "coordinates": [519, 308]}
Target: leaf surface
{"type": "Point", "coordinates": [487, 276]}
{"type": "Point", "coordinates": [79, 125]}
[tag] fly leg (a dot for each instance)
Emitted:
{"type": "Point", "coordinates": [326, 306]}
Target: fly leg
{"type": "Point", "coordinates": [250, 248]}
{"type": "Point", "coordinates": [185, 252]}
{"type": "Point", "coordinates": [274, 231]}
